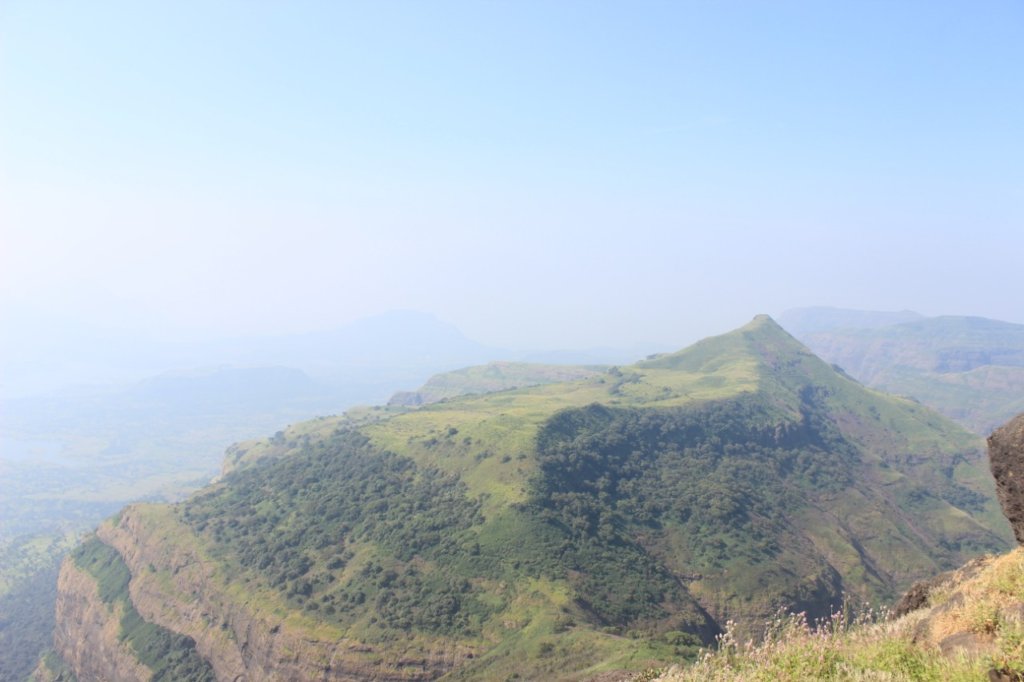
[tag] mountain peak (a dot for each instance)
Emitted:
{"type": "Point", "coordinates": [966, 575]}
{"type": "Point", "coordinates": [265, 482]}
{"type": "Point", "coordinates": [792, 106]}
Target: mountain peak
{"type": "Point", "coordinates": [760, 339]}
{"type": "Point", "coordinates": [765, 324]}
{"type": "Point", "coordinates": [760, 320]}
{"type": "Point", "coordinates": [760, 355]}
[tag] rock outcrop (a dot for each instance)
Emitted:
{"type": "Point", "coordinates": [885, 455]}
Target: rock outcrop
{"type": "Point", "coordinates": [920, 593]}
{"type": "Point", "coordinates": [962, 612]}
{"type": "Point", "coordinates": [1006, 457]}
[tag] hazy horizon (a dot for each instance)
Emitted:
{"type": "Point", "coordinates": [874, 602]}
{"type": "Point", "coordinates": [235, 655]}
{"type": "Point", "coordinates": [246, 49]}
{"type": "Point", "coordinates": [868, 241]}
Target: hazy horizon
{"type": "Point", "coordinates": [541, 176]}
{"type": "Point", "coordinates": [210, 212]}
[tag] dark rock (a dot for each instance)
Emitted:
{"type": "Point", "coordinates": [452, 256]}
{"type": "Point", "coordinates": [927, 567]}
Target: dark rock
{"type": "Point", "coordinates": [1004, 675]}
{"type": "Point", "coordinates": [917, 596]}
{"type": "Point", "coordinates": [920, 593]}
{"type": "Point", "coordinates": [970, 643]}
{"type": "Point", "coordinates": [1006, 457]}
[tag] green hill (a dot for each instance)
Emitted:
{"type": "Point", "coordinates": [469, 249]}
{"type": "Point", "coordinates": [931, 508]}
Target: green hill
{"type": "Point", "coordinates": [494, 376]}
{"type": "Point", "coordinates": [558, 531]}
{"type": "Point", "coordinates": [971, 369]}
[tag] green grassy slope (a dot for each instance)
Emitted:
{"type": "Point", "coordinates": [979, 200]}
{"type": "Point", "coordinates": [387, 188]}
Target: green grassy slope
{"type": "Point", "coordinates": [494, 376]}
{"type": "Point", "coordinates": [967, 628]}
{"type": "Point", "coordinates": [605, 523]}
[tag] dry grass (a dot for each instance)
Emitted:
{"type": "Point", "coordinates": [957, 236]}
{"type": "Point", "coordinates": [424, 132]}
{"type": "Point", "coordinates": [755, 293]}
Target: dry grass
{"type": "Point", "coordinates": [987, 604]}
{"type": "Point", "coordinates": [862, 648]}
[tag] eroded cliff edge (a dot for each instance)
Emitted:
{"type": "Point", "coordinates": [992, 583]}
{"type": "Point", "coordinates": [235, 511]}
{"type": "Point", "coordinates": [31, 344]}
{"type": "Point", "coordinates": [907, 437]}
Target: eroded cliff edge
{"type": "Point", "coordinates": [241, 634]}
{"type": "Point", "coordinates": [100, 634]}
{"type": "Point", "coordinates": [87, 631]}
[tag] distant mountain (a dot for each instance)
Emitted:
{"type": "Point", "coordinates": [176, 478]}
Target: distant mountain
{"type": "Point", "coordinates": [549, 532]}
{"type": "Point", "coordinates": [205, 394]}
{"type": "Point", "coordinates": [398, 339]}
{"type": "Point", "coordinates": [803, 321]}
{"type": "Point", "coordinates": [969, 368]}
{"type": "Point", "coordinates": [52, 355]}
{"type": "Point", "coordinates": [239, 389]}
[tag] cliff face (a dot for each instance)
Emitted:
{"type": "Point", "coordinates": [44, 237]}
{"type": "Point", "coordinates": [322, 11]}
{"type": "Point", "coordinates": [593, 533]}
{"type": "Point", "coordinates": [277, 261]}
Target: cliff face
{"type": "Point", "coordinates": [174, 586]}
{"type": "Point", "coordinates": [86, 636]}
{"type": "Point", "coordinates": [1006, 457]}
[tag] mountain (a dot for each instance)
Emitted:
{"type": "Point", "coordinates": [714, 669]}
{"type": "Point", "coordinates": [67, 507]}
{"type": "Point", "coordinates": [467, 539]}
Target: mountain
{"type": "Point", "coordinates": [494, 376]}
{"type": "Point", "coordinates": [800, 322]}
{"type": "Point", "coordinates": [557, 531]}
{"type": "Point", "coordinates": [156, 425]}
{"type": "Point", "coordinates": [40, 355]}
{"type": "Point", "coordinates": [971, 369]}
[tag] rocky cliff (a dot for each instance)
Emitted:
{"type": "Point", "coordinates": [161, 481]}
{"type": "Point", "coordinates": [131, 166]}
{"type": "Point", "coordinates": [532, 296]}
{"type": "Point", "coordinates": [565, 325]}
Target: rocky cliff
{"type": "Point", "coordinates": [87, 631]}
{"type": "Point", "coordinates": [1006, 457]}
{"type": "Point", "coordinates": [178, 588]}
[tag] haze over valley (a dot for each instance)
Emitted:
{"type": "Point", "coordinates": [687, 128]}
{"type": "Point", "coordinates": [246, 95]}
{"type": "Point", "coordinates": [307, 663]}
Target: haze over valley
{"type": "Point", "coordinates": [505, 340]}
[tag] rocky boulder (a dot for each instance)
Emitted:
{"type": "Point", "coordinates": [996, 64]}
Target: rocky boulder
{"type": "Point", "coordinates": [1006, 457]}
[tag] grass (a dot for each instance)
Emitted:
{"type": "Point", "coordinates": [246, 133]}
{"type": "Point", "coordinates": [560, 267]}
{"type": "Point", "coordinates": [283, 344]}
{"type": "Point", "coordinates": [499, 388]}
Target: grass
{"type": "Point", "coordinates": [866, 648]}
{"type": "Point", "coordinates": [52, 669]}
{"type": "Point", "coordinates": [496, 431]}
{"type": "Point", "coordinates": [986, 604]}
{"type": "Point", "coordinates": [493, 377]}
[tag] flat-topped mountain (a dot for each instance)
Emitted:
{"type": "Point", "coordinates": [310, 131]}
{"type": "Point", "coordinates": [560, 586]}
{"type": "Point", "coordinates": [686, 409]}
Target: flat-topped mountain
{"type": "Point", "coordinates": [556, 531]}
{"type": "Point", "coordinates": [494, 376]}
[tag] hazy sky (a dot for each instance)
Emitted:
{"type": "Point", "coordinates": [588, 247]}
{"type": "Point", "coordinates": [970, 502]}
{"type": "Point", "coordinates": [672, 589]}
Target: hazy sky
{"type": "Point", "coordinates": [539, 173]}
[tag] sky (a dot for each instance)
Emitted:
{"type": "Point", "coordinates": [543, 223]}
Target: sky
{"type": "Point", "coordinates": [541, 174]}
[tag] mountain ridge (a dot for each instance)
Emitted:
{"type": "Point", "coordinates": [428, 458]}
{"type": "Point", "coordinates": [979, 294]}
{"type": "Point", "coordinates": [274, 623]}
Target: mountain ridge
{"type": "Point", "coordinates": [971, 369]}
{"type": "Point", "coordinates": [529, 529]}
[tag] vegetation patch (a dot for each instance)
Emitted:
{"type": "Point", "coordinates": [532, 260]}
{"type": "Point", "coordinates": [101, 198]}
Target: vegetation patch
{"type": "Point", "coordinates": [172, 657]}
{"type": "Point", "coordinates": [981, 605]}
{"type": "Point", "coordinates": [26, 623]}
{"type": "Point", "coordinates": [294, 523]}
{"type": "Point", "coordinates": [723, 474]}
{"type": "Point", "coordinates": [840, 648]}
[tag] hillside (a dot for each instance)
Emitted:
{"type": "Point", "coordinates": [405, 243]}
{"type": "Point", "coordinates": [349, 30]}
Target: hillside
{"type": "Point", "coordinates": [967, 628]}
{"type": "Point", "coordinates": [72, 455]}
{"type": "Point", "coordinates": [494, 376]}
{"type": "Point", "coordinates": [556, 531]}
{"type": "Point", "coordinates": [961, 625]}
{"type": "Point", "coordinates": [971, 369]}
